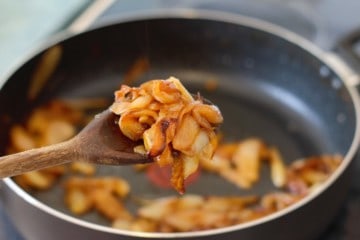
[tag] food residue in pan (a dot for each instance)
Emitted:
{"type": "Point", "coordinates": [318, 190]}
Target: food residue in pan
{"type": "Point", "coordinates": [237, 162]}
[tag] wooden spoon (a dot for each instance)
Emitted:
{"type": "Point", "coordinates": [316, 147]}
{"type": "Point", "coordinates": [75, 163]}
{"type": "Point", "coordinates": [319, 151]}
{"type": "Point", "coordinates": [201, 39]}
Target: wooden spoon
{"type": "Point", "coordinates": [100, 142]}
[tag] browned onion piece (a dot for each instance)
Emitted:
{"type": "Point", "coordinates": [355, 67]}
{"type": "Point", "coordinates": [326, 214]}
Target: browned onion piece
{"type": "Point", "coordinates": [175, 128]}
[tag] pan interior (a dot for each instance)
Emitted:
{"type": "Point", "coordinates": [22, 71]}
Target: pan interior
{"type": "Point", "coordinates": [267, 88]}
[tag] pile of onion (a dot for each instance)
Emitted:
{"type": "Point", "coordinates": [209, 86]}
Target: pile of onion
{"type": "Point", "coordinates": [175, 127]}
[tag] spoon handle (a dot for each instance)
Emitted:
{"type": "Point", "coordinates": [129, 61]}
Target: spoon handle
{"type": "Point", "coordinates": [36, 159]}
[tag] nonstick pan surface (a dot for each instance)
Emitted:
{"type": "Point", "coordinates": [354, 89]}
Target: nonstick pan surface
{"type": "Point", "coordinates": [268, 87]}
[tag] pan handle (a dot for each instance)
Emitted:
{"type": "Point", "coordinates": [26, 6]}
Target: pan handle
{"type": "Point", "coordinates": [88, 16]}
{"type": "Point", "coordinates": [349, 50]}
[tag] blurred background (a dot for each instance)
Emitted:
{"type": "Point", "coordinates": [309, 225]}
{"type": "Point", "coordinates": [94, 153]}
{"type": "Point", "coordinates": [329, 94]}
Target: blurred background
{"type": "Point", "coordinates": [25, 25]}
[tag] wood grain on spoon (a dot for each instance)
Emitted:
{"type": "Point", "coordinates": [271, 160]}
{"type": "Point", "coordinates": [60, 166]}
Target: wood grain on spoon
{"type": "Point", "coordinates": [100, 142]}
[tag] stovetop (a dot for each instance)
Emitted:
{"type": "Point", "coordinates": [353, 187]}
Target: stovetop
{"type": "Point", "coordinates": [324, 22]}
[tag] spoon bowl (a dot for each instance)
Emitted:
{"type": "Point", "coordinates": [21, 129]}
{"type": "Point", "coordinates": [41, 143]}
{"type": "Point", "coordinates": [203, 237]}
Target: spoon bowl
{"type": "Point", "coordinates": [100, 142]}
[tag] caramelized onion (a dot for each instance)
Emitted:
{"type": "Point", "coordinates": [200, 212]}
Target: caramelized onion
{"type": "Point", "coordinates": [175, 128]}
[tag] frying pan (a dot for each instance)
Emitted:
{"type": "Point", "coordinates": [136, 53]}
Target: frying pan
{"type": "Point", "coordinates": [272, 84]}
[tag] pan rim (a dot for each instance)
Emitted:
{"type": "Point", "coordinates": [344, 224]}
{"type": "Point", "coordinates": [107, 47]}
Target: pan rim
{"type": "Point", "coordinates": [339, 67]}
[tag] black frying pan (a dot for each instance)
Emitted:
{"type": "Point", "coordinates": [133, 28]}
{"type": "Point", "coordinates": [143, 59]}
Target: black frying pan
{"type": "Point", "coordinates": [272, 85]}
